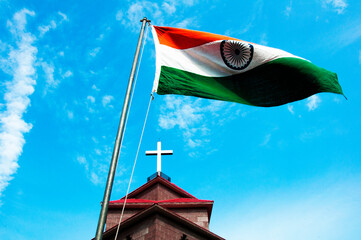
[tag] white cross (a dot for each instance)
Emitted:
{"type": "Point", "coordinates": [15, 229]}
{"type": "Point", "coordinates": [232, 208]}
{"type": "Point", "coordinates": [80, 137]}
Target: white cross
{"type": "Point", "coordinates": [159, 154]}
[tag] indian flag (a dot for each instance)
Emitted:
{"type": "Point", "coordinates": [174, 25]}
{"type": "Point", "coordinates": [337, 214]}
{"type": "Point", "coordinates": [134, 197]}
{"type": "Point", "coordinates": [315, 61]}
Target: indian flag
{"type": "Point", "coordinates": [213, 66]}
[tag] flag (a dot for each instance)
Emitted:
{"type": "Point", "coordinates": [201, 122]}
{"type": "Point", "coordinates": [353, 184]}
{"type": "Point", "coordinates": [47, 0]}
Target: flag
{"type": "Point", "coordinates": [213, 66]}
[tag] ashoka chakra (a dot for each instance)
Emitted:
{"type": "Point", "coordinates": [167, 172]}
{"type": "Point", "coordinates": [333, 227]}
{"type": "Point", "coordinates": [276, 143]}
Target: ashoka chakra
{"type": "Point", "coordinates": [235, 54]}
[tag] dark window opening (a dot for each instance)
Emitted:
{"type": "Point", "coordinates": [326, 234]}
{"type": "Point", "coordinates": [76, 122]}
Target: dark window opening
{"type": "Point", "coordinates": [184, 237]}
{"type": "Point", "coordinates": [128, 237]}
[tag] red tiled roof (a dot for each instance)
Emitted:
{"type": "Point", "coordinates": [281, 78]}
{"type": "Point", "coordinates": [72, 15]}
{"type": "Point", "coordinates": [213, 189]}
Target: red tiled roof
{"type": "Point", "coordinates": [176, 200]}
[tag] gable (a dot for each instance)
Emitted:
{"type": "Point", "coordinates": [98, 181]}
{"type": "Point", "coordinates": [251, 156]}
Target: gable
{"type": "Point", "coordinates": [159, 189]}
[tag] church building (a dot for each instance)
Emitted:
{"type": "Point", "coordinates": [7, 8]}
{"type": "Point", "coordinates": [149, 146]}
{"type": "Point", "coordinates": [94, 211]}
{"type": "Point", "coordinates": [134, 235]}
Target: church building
{"type": "Point", "coordinates": [160, 210]}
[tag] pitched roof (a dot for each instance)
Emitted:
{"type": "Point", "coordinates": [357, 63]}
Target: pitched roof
{"type": "Point", "coordinates": [162, 181]}
{"type": "Point", "coordinates": [170, 203]}
{"type": "Point", "coordinates": [157, 209]}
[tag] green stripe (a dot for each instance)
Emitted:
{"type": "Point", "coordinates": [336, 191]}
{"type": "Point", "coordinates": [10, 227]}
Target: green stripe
{"type": "Point", "coordinates": [275, 83]}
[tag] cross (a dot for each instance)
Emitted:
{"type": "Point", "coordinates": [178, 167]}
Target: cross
{"type": "Point", "coordinates": [159, 154]}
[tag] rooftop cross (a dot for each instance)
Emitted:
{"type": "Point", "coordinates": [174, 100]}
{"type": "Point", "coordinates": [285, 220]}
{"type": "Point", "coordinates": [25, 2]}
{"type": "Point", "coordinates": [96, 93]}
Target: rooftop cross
{"type": "Point", "coordinates": [159, 154]}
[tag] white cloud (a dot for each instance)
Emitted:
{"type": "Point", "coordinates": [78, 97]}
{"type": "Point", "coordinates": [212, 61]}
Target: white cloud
{"type": "Point", "coordinates": [65, 17]}
{"type": "Point", "coordinates": [52, 25]}
{"type": "Point", "coordinates": [288, 9]}
{"type": "Point", "coordinates": [155, 11]}
{"type": "Point", "coordinates": [96, 163]}
{"type": "Point", "coordinates": [192, 117]}
{"type": "Point", "coordinates": [263, 40]}
{"type": "Point", "coordinates": [106, 100]}
{"type": "Point", "coordinates": [94, 51]}
{"type": "Point", "coordinates": [138, 10]}
{"type": "Point", "coordinates": [82, 161]}
{"type": "Point", "coordinates": [290, 108]}
{"type": "Point", "coordinates": [266, 140]}
{"type": "Point", "coordinates": [48, 69]}
{"type": "Point", "coordinates": [21, 64]}
{"type": "Point", "coordinates": [313, 102]}
{"type": "Point", "coordinates": [95, 88]}
{"type": "Point", "coordinates": [17, 26]}
{"type": "Point", "coordinates": [68, 74]}
{"type": "Point", "coordinates": [119, 15]}
{"type": "Point", "coordinates": [338, 5]}
{"type": "Point", "coordinates": [169, 7]}
{"type": "Point", "coordinates": [185, 23]}
{"type": "Point", "coordinates": [91, 99]}
{"type": "Point", "coordinates": [345, 35]}
{"type": "Point", "coordinates": [45, 28]}
{"type": "Point", "coordinates": [70, 115]}
{"type": "Point", "coordinates": [94, 178]}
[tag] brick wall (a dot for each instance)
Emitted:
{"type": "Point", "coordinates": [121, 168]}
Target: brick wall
{"type": "Point", "coordinates": [157, 228]}
{"type": "Point", "coordinates": [114, 214]}
{"type": "Point", "coordinates": [144, 230]}
{"type": "Point", "coordinates": [158, 192]}
{"type": "Point", "coordinates": [197, 215]}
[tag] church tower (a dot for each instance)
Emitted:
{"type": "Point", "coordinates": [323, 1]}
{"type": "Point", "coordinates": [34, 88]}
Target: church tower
{"type": "Point", "coordinates": [160, 210]}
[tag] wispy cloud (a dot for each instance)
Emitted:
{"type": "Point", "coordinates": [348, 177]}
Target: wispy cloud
{"type": "Point", "coordinates": [313, 102]}
{"type": "Point", "coordinates": [185, 23]}
{"type": "Point", "coordinates": [266, 140]}
{"type": "Point", "coordinates": [48, 69]}
{"type": "Point", "coordinates": [82, 161]}
{"type": "Point", "coordinates": [137, 11]}
{"type": "Point", "coordinates": [67, 74]}
{"type": "Point", "coordinates": [344, 35]}
{"type": "Point", "coordinates": [337, 5]}
{"type": "Point", "coordinates": [91, 99]}
{"type": "Point", "coordinates": [52, 25]}
{"type": "Point", "coordinates": [158, 13]}
{"type": "Point", "coordinates": [288, 9]}
{"type": "Point", "coordinates": [70, 114]}
{"type": "Point", "coordinates": [94, 51]}
{"type": "Point", "coordinates": [64, 16]}
{"type": "Point", "coordinates": [169, 7]}
{"type": "Point", "coordinates": [21, 66]}
{"type": "Point", "coordinates": [193, 117]}
{"type": "Point", "coordinates": [267, 137]}
{"type": "Point", "coordinates": [94, 87]}
{"type": "Point", "coordinates": [257, 10]}
{"type": "Point", "coordinates": [290, 108]}
{"type": "Point", "coordinates": [106, 100]}
{"type": "Point", "coordinates": [311, 134]}
{"type": "Point", "coordinates": [96, 162]}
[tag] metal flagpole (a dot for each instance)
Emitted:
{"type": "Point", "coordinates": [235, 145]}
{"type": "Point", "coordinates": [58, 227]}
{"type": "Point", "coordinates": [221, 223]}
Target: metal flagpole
{"type": "Point", "coordinates": [118, 140]}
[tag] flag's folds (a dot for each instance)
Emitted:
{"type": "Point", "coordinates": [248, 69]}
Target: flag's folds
{"type": "Point", "coordinates": [218, 67]}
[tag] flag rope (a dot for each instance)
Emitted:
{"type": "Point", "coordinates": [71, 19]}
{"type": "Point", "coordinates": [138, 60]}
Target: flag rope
{"type": "Point", "coordinates": [141, 136]}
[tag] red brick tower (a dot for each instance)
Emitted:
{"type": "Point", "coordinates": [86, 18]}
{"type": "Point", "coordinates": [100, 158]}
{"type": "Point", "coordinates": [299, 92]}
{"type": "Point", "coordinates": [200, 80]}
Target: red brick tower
{"type": "Point", "coordinates": [160, 210]}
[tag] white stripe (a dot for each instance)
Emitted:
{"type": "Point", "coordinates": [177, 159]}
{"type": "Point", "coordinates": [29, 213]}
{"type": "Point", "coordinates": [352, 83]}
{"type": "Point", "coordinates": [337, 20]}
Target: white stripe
{"type": "Point", "coordinates": [206, 59]}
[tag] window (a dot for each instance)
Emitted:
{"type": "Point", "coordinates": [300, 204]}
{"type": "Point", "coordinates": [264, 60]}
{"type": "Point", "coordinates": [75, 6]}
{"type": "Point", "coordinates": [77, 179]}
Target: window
{"type": "Point", "coordinates": [128, 237]}
{"type": "Point", "coordinates": [184, 237]}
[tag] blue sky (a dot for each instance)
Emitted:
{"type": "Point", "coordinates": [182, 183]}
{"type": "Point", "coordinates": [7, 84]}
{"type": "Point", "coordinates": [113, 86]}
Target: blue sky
{"type": "Point", "coordinates": [288, 172]}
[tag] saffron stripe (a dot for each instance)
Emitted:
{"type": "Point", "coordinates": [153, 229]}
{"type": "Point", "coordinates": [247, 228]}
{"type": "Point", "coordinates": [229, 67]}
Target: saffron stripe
{"type": "Point", "coordinates": [182, 38]}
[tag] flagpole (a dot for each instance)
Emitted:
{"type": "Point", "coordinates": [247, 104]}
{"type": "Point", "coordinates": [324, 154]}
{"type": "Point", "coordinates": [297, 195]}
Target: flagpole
{"type": "Point", "coordinates": [118, 140]}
